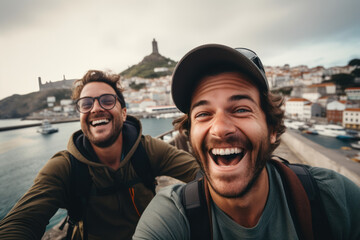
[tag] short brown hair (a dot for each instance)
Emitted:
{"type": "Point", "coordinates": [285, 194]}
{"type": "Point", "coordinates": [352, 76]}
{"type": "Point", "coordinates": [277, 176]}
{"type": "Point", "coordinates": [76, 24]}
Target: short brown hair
{"type": "Point", "coordinates": [98, 76]}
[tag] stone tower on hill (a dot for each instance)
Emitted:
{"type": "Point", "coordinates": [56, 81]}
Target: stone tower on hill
{"type": "Point", "coordinates": [152, 66]}
{"type": "Point", "coordinates": [155, 47]}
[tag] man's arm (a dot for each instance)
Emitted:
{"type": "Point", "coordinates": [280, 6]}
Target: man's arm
{"type": "Point", "coordinates": [29, 217]}
{"type": "Point", "coordinates": [170, 161]}
{"type": "Point", "coordinates": [341, 199]}
{"type": "Point", "coordinates": [164, 218]}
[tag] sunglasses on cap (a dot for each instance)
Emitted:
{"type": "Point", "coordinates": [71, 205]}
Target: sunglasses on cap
{"type": "Point", "coordinates": [251, 55]}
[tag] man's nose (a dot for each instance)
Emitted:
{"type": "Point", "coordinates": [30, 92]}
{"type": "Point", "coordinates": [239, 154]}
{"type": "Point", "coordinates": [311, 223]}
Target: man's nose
{"type": "Point", "coordinates": [222, 125]}
{"type": "Point", "coordinates": [97, 107]}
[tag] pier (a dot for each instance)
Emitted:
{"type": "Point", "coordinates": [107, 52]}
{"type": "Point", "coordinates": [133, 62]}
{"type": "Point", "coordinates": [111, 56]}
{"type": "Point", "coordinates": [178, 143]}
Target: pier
{"type": "Point", "coordinates": [64, 120]}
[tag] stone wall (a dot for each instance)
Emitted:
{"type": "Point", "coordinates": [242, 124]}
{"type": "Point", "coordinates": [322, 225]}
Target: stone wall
{"type": "Point", "coordinates": [319, 156]}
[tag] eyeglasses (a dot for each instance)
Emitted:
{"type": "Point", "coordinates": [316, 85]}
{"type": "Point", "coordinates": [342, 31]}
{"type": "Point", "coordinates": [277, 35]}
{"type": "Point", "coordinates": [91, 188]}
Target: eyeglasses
{"type": "Point", "coordinates": [106, 101]}
{"type": "Point", "coordinates": [250, 54]}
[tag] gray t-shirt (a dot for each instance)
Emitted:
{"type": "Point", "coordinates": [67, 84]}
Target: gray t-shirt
{"type": "Point", "coordinates": [165, 217]}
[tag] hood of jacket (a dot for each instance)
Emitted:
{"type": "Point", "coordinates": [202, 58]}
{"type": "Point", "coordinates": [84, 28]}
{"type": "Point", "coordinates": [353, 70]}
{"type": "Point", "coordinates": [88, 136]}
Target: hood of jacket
{"type": "Point", "coordinates": [80, 147]}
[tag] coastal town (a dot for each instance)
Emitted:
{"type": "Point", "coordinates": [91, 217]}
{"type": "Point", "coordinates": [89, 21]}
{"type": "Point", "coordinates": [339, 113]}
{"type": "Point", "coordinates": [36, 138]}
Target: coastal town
{"type": "Point", "coordinates": [310, 95]}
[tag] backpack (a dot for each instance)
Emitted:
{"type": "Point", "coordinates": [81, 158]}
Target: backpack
{"type": "Point", "coordinates": [302, 194]}
{"type": "Point", "coordinates": [82, 187]}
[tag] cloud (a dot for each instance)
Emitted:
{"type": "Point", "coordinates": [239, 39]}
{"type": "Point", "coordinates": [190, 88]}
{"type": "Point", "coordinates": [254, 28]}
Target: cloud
{"type": "Point", "coordinates": [50, 38]}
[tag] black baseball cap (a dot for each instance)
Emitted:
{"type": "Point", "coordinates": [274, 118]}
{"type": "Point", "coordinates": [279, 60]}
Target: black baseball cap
{"type": "Point", "coordinates": [204, 59]}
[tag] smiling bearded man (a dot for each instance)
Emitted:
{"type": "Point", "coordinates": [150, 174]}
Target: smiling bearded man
{"type": "Point", "coordinates": [106, 177]}
{"type": "Point", "coordinates": [234, 124]}
{"type": "Point", "coordinates": [228, 132]}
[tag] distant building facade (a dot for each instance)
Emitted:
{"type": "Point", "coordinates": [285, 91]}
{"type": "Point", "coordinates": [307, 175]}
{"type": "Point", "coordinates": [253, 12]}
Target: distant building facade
{"type": "Point", "coordinates": [294, 107]}
{"type": "Point", "coordinates": [351, 118]}
{"type": "Point", "coordinates": [62, 84]}
{"type": "Point", "coordinates": [334, 111]}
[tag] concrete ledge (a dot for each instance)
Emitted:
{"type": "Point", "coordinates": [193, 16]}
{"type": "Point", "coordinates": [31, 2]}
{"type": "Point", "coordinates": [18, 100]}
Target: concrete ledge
{"type": "Point", "coordinates": [319, 156]}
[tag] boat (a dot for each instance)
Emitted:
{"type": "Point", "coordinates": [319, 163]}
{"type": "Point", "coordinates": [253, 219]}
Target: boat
{"type": "Point", "coordinates": [330, 130]}
{"type": "Point", "coordinates": [345, 137]}
{"type": "Point", "coordinates": [355, 145]}
{"type": "Point", "coordinates": [311, 130]}
{"type": "Point", "coordinates": [296, 125]}
{"type": "Point", "coordinates": [46, 128]}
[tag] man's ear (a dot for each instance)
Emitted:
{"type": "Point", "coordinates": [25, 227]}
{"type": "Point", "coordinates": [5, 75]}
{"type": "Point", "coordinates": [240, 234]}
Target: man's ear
{"type": "Point", "coordinates": [123, 112]}
{"type": "Point", "coordinates": [272, 138]}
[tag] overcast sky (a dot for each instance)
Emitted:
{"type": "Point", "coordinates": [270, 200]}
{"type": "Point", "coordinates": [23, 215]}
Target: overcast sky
{"type": "Point", "coordinates": [52, 38]}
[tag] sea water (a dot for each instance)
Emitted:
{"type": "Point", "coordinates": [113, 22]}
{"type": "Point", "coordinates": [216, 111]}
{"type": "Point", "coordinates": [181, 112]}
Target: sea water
{"type": "Point", "coordinates": [23, 152]}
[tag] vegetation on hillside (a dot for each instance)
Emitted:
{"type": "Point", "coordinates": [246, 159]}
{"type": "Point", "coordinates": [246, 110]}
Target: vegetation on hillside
{"type": "Point", "coordinates": [145, 69]}
{"type": "Point", "coordinates": [344, 80]}
{"type": "Point", "coordinates": [19, 106]}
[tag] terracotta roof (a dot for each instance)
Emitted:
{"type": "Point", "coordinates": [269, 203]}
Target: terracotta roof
{"type": "Point", "coordinates": [298, 100]}
{"type": "Point", "coordinates": [352, 88]}
{"type": "Point", "coordinates": [321, 85]}
{"type": "Point", "coordinates": [353, 109]}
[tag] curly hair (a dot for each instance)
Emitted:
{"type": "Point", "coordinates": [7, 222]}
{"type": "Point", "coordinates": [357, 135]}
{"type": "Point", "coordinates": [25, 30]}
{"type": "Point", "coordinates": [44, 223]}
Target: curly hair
{"type": "Point", "coordinates": [270, 104]}
{"type": "Point", "coordinates": [98, 76]}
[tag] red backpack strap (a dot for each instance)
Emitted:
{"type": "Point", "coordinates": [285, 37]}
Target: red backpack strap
{"type": "Point", "coordinates": [297, 199]}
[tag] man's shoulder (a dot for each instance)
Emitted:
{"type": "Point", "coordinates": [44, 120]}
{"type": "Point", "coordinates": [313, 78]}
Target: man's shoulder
{"type": "Point", "coordinates": [172, 192]}
{"type": "Point", "coordinates": [330, 180]}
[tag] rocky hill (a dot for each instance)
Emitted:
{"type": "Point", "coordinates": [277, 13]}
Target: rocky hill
{"type": "Point", "coordinates": [19, 106]}
{"type": "Point", "coordinates": [145, 69]}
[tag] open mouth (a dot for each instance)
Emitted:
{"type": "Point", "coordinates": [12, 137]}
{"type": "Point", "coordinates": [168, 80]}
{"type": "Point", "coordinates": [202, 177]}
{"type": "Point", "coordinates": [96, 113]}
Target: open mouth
{"type": "Point", "coordinates": [226, 156]}
{"type": "Point", "coordinates": [99, 122]}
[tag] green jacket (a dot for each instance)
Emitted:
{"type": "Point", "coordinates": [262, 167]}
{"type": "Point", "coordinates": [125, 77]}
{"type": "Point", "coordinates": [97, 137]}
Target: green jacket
{"type": "Point", "coordinates": [109, 217]}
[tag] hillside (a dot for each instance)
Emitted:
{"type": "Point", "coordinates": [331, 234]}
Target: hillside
{"type": "Point", "coordinates": [145, 69]}
{"type": "Point", "coordinates": [19, 106]}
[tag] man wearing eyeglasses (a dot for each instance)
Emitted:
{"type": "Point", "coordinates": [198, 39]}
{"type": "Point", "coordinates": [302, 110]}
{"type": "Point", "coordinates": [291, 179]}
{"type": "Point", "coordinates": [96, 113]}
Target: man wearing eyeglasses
{"type": "Point", "coordinates": [106, 144]}
{"type": "Point", "coordinates": [234, 124]}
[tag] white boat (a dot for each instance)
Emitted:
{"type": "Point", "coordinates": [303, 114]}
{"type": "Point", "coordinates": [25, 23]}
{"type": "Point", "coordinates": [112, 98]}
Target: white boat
{"type": "Point", "coordinates": [355, 145]}
{"type": "Point", "coordinates": [296, 125]}
{"type": "Point", "coordinates": [46, 128]}
{"type": "Point", "coordinates": [330, 130]}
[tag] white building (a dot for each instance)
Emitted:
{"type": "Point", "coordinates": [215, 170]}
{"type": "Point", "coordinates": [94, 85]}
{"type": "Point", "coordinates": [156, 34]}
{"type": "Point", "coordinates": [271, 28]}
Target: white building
{"type": "Point", "coordinates": [315, 91]}
{"type": "Point", "coordinates": [294, 108]}
{"type": "Point", "coordinates": [311, 110]}
{"type": "Point", "coordinates": [147, 103]}
{"type": "Point", "coordinates": [353, 93]}
{"type": "Point", "coordinates": [50, 101]}
{"type": "Point", "coordinates": [351, 118]}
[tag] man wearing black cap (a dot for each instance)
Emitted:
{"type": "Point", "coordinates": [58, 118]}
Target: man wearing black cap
{"type": "Point", "coordinates": [234, 124]}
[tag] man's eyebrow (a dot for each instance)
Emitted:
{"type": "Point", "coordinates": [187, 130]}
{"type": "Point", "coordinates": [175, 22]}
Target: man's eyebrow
{"type": "Point", "coordinates": [199, 103]}
{"type": "Point", "coordinates": [240, 97]}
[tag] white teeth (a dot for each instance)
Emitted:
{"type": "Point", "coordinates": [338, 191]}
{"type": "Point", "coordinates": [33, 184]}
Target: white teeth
{"type": "Point", "coordinates": [226, 151]}
{"type": "Point", "coordinates": [100, 121]}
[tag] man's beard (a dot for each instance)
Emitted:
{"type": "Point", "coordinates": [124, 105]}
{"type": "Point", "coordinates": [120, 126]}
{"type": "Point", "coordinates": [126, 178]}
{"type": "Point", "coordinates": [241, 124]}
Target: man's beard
{"type": "Point", "coordinates": [108, 141]}
{"type": "Point", "coordinates": [103, 143]}
{"type": "Point", "coordinates": [264, 154]}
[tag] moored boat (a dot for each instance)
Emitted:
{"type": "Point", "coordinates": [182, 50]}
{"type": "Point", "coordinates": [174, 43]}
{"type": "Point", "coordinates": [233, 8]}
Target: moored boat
{"type": "Point", "coordinates": [355, 145]}
{"type": "Point", "coordinates": [46, 128]}
{"type": "Point", "coordinates": [330, 130]}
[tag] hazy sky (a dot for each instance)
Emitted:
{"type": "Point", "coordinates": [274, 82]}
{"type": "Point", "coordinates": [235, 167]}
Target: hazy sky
{"type": "Point", "coordinates": [52, 38]}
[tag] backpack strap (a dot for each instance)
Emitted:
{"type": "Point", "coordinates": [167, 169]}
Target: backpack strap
{"type": "Point", "coordinates": [320, 223]}
{"type": "Point", "coordinates": [196, 201]}
{"type": "Point", "coordinates": [298, 201]}
{"type": "Point", "coordinates": [80, 188]}
{"type": "Point", "coordinates": [141, 164]}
